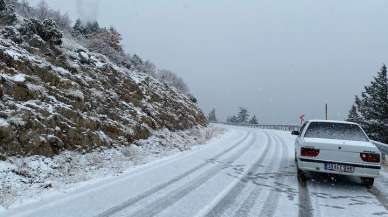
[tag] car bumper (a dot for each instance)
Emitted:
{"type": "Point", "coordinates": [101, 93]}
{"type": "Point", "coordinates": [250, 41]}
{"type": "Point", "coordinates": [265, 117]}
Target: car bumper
{"type": "Point", "coordinates": [313, 165]}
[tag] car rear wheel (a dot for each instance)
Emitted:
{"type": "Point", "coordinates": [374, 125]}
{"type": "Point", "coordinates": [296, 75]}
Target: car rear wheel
{"type": "Point", "coordinates": [301, 176]}
{"type": "Point", "coordinates": [368, 182]}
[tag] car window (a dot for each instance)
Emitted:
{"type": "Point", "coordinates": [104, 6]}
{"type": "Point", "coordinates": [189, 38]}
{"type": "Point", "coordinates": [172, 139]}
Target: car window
{"type": "Point", "coordinates": [302, 128]}
{"type": "Point", "coordinates": [340, 131]}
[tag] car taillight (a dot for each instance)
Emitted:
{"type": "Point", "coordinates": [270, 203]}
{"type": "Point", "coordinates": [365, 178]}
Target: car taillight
{"type": "Point", "coordinates": [309, 152]}
{"type": "Point", "coordinates": [370, 157]}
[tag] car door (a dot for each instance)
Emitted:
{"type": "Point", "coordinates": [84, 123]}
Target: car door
{"type": "Point", "coordinates": [299, 139]}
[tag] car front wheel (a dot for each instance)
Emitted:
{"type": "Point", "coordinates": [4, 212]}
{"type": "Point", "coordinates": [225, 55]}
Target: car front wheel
{"type": "Point", "coordinates": [368, 182]}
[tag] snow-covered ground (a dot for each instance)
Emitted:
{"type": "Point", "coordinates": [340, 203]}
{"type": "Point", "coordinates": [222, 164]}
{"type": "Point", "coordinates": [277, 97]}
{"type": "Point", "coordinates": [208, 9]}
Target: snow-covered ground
{"type": "Point", "coordinates": [24, 180]}
{"type": "Point", "coordinates": [244, 172]}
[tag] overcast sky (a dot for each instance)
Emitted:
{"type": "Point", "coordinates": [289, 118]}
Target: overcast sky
{"type": "Point", "coordinates": [278, 58]}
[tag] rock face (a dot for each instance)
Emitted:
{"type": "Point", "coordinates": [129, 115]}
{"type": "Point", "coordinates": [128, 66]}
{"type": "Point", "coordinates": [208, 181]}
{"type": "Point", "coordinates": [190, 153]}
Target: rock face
{"type": "Point", "coordinates": [66, 98]}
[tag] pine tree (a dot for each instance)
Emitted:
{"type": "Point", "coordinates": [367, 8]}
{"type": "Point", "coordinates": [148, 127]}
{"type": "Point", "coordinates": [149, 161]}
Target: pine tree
{"type": "Point", "coordinates": [92, 27]}
{"type": "Point", "coordinates": [372, 107]}
{"type": "Point", "coordinates": [233, 119]}
{"type": "Point", "coordinates": [243, 115]}
{"type": "Point", "coordinates": [253, 120]}
{"type": "Point", "coordinates": [78, 28]}
{"type": "Point", "coordinates": [354, 113]}
{"type": "Point", "coordinates": [212, 116]}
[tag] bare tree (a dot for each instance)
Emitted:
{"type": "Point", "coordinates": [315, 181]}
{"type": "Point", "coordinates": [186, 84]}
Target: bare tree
{"type": "Point", "coordinates": [42, 10]}
{"type": "Point", "coordinates": [25, 9]}
{"type": "Point", "coordinates": [170, 78]}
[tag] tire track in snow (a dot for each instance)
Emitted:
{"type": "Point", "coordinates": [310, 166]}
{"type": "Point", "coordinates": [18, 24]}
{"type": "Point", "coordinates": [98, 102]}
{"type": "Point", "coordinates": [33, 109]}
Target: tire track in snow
{"type": "Point", "coordinates": [380, 196]}
{"type": "Point", "coordinates": [231, 196]}
{"type": "Point", "coordinates": [169, 199]}
{"type": "Point", "coordinates": [317, 212]}
{"type": "Point", "coordinates": [305, 206]}
{"type": "Point", "coordinates": [249, 202]}
{"type": "Point", "coordinates": [158, 188]}
{"type": "Point", "coordinates": [272, 200]}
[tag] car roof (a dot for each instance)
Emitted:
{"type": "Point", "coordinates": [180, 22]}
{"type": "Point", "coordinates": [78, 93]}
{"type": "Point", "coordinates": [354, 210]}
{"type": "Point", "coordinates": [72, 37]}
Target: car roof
{"type": "Point", "coordinates": [333, 121]}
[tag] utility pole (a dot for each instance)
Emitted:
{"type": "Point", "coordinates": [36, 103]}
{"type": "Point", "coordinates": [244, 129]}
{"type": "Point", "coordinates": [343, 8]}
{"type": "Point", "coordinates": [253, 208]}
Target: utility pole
{"type": "Point", "coordinates": [326, 112]}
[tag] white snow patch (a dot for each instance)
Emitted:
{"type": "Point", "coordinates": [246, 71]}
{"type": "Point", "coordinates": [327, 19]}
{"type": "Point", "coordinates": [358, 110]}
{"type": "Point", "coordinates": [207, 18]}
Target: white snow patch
{"type": "Point", "coordinates": [104, 137]}
{"type": "Point", "coordinates": [15, 55]}
{"type": "Point", "coordinates": [76, 94]}
{"type": "Point", "coordinates": [17, 121]}
{"type": "Point", "coordinates": [61, 71]}
{"type": "Point", "coordinates": [20, 78]}
{"type": "Point", "coordinates": [3, 123]}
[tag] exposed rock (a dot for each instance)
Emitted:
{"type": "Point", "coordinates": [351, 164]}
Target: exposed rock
{"type": "Point", "coordinates": [55, 142]}
{"type": "Point", "coordinates": [5, 130]}
{"type": "Point", "coordinates": [84, 57]}
{"type": "Point", "coordinates": [37, 42]}
{"type": "Point", "coordinates": [1, 91]}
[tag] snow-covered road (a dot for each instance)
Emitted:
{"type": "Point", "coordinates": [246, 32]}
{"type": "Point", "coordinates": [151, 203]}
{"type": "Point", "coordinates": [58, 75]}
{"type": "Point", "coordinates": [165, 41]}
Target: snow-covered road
{"type": "Point", "coordinates": [247, 172]}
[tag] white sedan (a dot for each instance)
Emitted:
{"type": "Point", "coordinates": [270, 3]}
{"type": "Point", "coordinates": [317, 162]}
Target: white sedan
{"type": "Point", "coordinates": [336, 147]}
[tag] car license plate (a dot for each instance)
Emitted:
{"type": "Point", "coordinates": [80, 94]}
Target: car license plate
{"type": "Point", "coordinates": [339, 168]}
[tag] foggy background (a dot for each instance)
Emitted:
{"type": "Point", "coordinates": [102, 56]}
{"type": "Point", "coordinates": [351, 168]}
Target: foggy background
{"type": "Point", "coordinates": [278, 58]}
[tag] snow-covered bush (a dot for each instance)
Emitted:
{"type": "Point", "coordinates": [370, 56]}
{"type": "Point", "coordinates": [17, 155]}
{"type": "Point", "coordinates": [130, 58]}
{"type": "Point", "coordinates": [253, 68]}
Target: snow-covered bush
{"type": "Point", "coordinates": [12, 33]}
{"type": "Point", "coordinates": [192, 98]}
{"type": "Point", "coordinates": [47, 30]}
{"type": "Point", "coordinates": [7, 13]}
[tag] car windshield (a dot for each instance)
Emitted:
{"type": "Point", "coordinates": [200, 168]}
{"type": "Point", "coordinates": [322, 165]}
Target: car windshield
{"type": "Point", "coordinates": [340, 131]}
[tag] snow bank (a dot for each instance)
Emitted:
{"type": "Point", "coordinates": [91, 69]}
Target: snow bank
{"type": "Point", "coordinates": [27, 179]}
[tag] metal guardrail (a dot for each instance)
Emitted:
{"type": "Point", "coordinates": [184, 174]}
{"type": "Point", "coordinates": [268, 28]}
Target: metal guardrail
{"type": "Point", "coordinates": [284, 127]}
{"type": "Point", "coordinates": [381, 146]}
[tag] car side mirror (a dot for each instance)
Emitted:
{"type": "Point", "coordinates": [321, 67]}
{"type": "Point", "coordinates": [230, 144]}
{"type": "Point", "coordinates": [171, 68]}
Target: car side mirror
{"type": "Point", "coordinates": [295, 133]}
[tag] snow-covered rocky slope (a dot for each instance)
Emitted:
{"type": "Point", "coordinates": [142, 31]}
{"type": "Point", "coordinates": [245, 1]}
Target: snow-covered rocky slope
{"type": "Point", "coordinates": [56, 98]}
